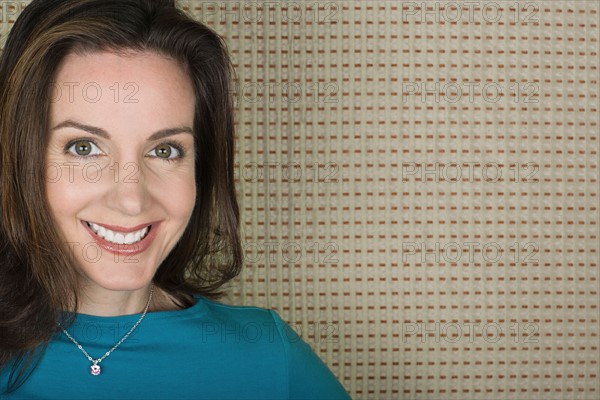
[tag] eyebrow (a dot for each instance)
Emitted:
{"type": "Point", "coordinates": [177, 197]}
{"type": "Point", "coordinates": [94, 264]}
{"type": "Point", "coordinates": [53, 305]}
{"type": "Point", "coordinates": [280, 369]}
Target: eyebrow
{"type": "Point", "coordinates": [102, 133]}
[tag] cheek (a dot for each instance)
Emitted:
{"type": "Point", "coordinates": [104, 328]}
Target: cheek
{"type": "Point", "coordinates": [66, 197]}
{"type": "Point", "coordinates": [57, 195]}
{"type": "Point", "coordinates": [60, 207]}
{"type": "Point", "coordinates": [63, 192]}
{"type": "Point", "coordinates": [187, 199]}
{"type": "Point", "coordinates": [179, 196]}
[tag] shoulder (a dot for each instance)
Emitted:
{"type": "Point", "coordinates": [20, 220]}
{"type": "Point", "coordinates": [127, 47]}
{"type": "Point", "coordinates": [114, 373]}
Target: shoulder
{"type": "Point", "coordinates": [229, 309]}
{"type": "Point", "coordinates": [254, 340]}
{"type": "Point", "coordinates": [258, 326]}
{"type": "Point", "coordinates": [243, 315]}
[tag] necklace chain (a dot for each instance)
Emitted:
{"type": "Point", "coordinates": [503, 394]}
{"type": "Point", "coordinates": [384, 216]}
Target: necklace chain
{"type": "Point", "coordinates": [95, 368]}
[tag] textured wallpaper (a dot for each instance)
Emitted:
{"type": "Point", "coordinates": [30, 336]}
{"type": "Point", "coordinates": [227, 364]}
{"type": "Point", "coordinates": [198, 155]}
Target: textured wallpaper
{"type": "Point", "coordinates": [419, 187]}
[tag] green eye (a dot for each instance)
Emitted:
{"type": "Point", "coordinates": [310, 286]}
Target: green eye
{"type": "Point", "coordinates": [168, 151]}
{"type": "Point", "coordinates": [163, 151]}
{"type": "Point", "coordinates": [83, 148]}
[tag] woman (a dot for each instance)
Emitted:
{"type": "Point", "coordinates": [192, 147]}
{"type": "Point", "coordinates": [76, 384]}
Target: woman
{"type": "Point", "coordinates": [119, 216]}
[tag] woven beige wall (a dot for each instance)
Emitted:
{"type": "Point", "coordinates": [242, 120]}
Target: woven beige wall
{"type": "Point", "coordinates": [410, 281]}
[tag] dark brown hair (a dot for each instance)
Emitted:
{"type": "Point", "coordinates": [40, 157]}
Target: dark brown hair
{"type": "Point", "coordinates": [37, 275]}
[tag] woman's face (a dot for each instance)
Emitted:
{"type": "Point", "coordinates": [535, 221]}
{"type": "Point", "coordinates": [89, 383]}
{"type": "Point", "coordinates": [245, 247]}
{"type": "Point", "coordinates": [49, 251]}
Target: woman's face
{"type": "Point", "coordinates": [120, 159]}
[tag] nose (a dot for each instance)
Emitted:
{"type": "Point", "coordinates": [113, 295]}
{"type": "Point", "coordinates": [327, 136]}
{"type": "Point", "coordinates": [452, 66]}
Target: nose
{"type": "Point", "coordinates": [128, 194]}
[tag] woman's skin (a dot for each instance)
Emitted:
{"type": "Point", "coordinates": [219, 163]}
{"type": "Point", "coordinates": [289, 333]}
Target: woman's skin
{"type": "Point", "coordinates": [123, 178]}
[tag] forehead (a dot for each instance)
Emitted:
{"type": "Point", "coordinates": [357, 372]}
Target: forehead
{"type": "Point", "coordinates": [104, 87]}
{"type": "Point", "coordinates": [124, 63]}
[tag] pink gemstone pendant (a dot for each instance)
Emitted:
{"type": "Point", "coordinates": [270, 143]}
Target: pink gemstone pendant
{"type": "Point", "coordinates": [95, 369]}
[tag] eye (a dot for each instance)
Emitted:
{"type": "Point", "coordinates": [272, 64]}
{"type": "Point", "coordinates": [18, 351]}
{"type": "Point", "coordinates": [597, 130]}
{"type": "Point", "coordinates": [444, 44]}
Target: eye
{"type": "Point", "coordinates": [167, 151]}
{"type": "Point", "coordinates": [83, 148]}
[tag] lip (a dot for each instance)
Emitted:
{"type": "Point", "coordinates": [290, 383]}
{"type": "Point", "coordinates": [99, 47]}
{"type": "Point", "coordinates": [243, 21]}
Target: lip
{"type": "Point", "coordinates": [124, 249]}
{"type": "Point", "coordinates": [122, 228]}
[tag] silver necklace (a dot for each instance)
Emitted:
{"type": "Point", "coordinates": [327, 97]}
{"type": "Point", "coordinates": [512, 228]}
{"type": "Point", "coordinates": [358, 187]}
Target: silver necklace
{"type": "Point", "coordinates": [95, 368]}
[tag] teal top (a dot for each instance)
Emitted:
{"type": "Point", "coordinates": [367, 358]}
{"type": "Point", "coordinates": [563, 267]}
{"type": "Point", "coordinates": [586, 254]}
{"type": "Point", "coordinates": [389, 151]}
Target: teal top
{"type": "Point", "coordinates": [207, 351]}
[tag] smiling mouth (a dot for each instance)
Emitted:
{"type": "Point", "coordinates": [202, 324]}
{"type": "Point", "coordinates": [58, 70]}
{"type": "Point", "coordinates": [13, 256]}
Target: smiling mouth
{"type": "Point", "coordinates": [119, 237]}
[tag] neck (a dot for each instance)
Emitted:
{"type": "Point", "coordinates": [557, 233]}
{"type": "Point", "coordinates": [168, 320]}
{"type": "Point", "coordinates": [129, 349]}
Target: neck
{"type": "Point", "coordinates": [105, 303]}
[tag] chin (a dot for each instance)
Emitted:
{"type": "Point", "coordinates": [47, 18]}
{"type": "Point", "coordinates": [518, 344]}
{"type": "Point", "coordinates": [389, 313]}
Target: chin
{"type": "Point", "coordinates": [120, 284]}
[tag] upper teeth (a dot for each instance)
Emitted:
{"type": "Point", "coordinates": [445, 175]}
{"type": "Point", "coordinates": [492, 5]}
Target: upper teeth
{"type": "Point", "coordinates": [118, 237]}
